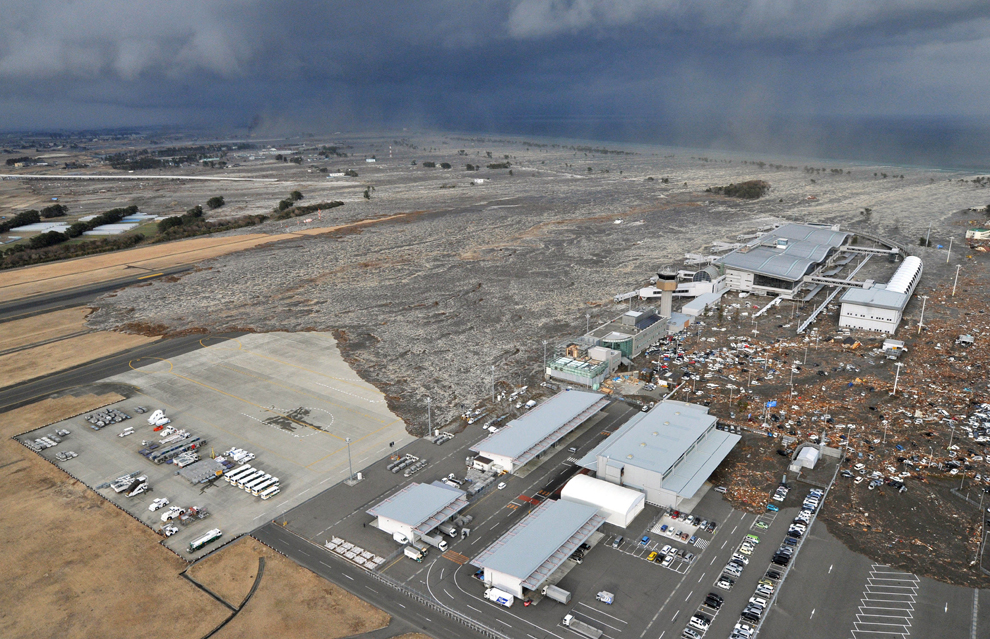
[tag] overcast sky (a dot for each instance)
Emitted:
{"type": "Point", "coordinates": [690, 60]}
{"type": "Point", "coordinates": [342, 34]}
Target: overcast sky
{"type": "Point", "coordinates": [741, 63]}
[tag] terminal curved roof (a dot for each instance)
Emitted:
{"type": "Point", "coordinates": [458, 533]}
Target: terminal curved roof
{"type": "Point", "coordinates": [805, 247]}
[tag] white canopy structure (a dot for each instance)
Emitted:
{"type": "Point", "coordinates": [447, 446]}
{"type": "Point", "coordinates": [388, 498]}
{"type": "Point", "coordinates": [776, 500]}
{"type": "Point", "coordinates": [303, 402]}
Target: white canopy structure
{"type": "Point", "coordinates": [619, 505]}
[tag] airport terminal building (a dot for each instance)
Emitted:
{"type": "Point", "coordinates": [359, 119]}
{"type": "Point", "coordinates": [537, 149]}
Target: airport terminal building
{"type": "Point", "coordinates": [667, 453]}
{"type": "Point", "coordinates": [777, 263]}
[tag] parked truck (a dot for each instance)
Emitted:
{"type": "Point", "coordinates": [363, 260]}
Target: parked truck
{"type": "Point", "coordinates": [581, 628]}
{"type": "Point", "coordinates": [448, 529]}
{"type": "Point", "coordinates": [414, 553]}
{"type": "Point", "coordinates": [436, 542]}
{"type": "Point", "coordinates": [557, 594]}
{"type": "Point", "coordinates": [605, 597]}
{"type": "Point", "coordinates": [502, 598]}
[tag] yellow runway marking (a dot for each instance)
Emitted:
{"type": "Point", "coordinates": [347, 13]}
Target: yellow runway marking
{"type": "Point", "coordinates": [144, 277]}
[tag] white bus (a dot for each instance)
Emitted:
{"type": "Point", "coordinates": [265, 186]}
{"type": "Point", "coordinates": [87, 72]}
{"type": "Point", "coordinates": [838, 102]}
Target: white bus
{"type": "Point", "coordinates": [257, 482]}
{"type": "Point", "coordinates": [271, 492]}
{"type": "Point", "coordinates": [244, 479]}
{"type": "Point", "coordinates": [231, 475]}
{"type": "Point", "coordinates": [265, 485]}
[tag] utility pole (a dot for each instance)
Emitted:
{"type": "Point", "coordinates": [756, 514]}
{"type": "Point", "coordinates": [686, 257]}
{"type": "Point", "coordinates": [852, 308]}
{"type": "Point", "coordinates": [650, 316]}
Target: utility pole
{"type": "Point", "coordinates": [896, 375]}
{"type": "Point", "coordinates": [544, 357]}
{"type": "Point", "coordinates": [804, 362]}
{"type": "Point", "coordinates": [429, 416]}
{"type": "Point", "coordinates": [956, 281]}
{"type": "Point", "coordinates": [952, 432]}
{"type": "Point", "coordinates": [493, 383]}
{"type": "Point", "coordinates": [927, 242]}
{"type": "Point", "coordinates": [921, 322]}
{"type": "Point", "coordinates": [587, 317]}
{"type": "Point", "coordinates": [948, 253]}
{"type": "Point", "coordinates": [885, 433]}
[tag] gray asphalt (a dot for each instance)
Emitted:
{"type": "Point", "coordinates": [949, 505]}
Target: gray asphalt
{"type": "Point", "coordinates": [358, 582]}
{"type": "Point", "coordinates": [28, 306]}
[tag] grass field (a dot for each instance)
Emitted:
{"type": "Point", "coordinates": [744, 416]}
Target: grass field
{"type": "Point", "coordinates": [40, 328]}
{"type": "Point", "coordinates": [290, 600]}
{"type": "Point", "coordinates": [72, 564]}
{"type": "Point", "coordinates": [42, 360]}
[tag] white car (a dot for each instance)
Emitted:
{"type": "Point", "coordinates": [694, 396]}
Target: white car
{"type": "Point", "coordinates": [161, 502]}
{"type": "Point", "coordinates": [169, 530]}
{"type": "Point", "coordinates": [501, 485]}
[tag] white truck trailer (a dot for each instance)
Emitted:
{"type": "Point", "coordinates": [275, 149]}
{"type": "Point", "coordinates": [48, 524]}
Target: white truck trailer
{"type": "Point", "coordinates": [436, 541]}
{"type": "Point", "coordinates": [503, 598]}
{"type": "Point", "coordinates": [414, 553]}
{"type": "Point", "coordinates": [557, 594]}
{"type": "Point", "coordinates": [581, 628]}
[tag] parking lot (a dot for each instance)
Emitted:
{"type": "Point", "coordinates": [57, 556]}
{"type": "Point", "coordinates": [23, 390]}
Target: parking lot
{"type": "Point", "coordinates": [287, 398]}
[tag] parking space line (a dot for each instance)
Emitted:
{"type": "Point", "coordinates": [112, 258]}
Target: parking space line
{"type": "Point", "coordinates": [581, 603]}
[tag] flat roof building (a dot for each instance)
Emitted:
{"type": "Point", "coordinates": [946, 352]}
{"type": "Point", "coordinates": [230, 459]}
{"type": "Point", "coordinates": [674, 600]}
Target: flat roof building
{"type": "Point", "coordinates": [580, 364]}
{"type": "Point", "coordinates": [779, 261]}
{"type": "Point", "coordinates": [631, 333]}
{"type": "Point", "coordinates": [527, 437]}
{"type": "Point", "coordinates": [880, 307]}
{"type": "Point", "coordinates": [533, 549]}
{"type": "Point", "coordinates": [418, 508]}
{"type": "Point", "coordinates": [667, 453]}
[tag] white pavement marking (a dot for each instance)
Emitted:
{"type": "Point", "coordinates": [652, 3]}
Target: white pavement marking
{"type": "Point", "coordinates": [505, 622]}
{"type": "Point", "coordinates": [675, 615]}
{"type": "Point", "coordinates": [689, 595]}
{"type": "Point", "coordinates": [371, 589]}
{"type": "Point", "coordinates": [348, 576]}
{"type": "Point", "coordinates": [581, 603]}
{"type": "Point", "coordinates": [400, 604]}
{"type": "Point", "coordinates": [447, 593]}
{"type": "Point", "coordinates": [472, 607]}
{"type": "Point", "coordinates": [812, 612]}
{"type": "Point", "coordinates": [887, 603]}
{"type": "Point", "coordinates": [976, 611]}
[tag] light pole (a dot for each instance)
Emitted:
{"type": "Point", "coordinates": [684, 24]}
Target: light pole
{"type": "Point", "coordinates": [804, 362]}
{"type": "Point", "coordinates": [948, 253]}
{"type": "Point", "coordinates": [349, 467]}
{"type": "Point", "coordinates": [587, 317]}
{"type": "Point", "coordinates": [956, 281]}
{"type": "Point", "coordinates": [921, 322]}
{"type": "Point", "coordinates": [885, 433]}
{"type": "Point", "coordinates": [896, 375]}
{"type": "Point", "coordinates": [927, 242]}
{"type": "Point", "coordinates": [429, 416]}
{"type": "Point", "coordinates": [493, 383]}
{"type": "Point", "coordinates": [544, 357]}
{"type": "Point", "coordinates": [952, 433]}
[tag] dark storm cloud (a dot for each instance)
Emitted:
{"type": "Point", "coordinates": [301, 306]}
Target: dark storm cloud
{"type": "Point", "coordinates": [106, 62]}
